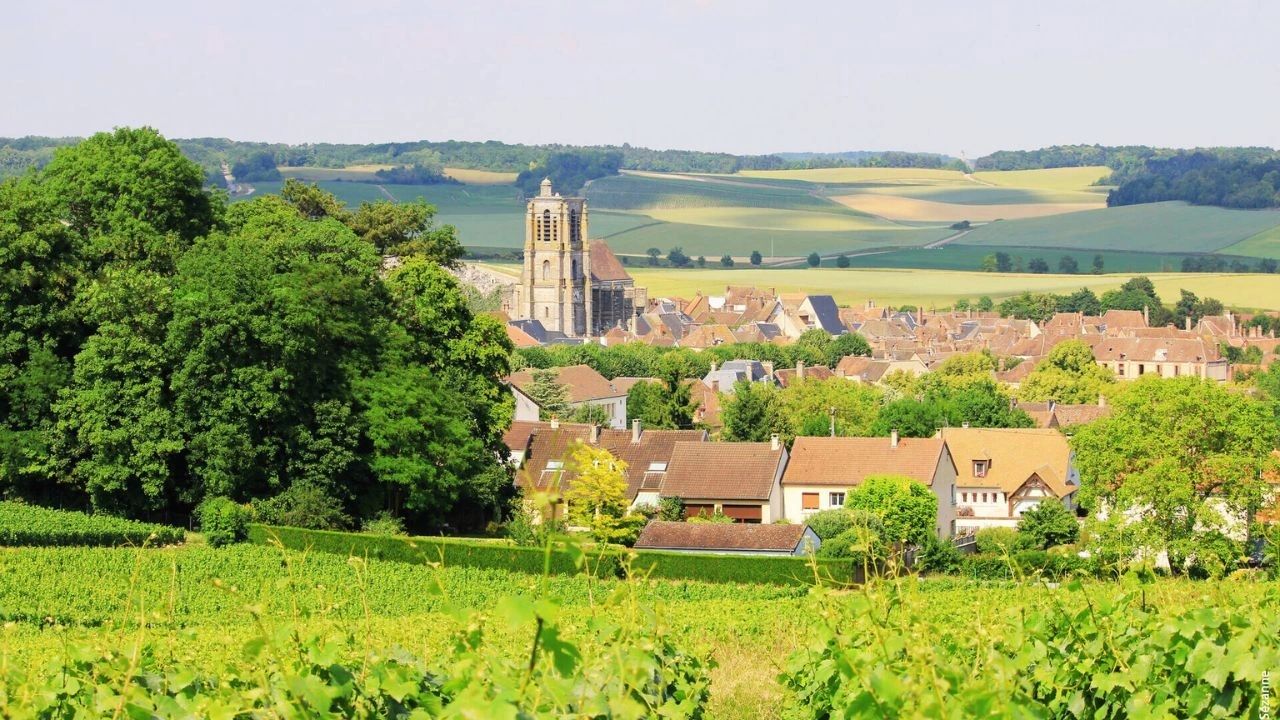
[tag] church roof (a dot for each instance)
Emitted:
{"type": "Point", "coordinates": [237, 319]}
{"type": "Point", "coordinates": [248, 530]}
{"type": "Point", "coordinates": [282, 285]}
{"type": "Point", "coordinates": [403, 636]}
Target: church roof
{"type": "Point", "coordinates": [604, 264]}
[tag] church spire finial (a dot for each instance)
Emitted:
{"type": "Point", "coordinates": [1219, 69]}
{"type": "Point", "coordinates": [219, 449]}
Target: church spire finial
{"type": "Point", "coordinates": [545, 187]}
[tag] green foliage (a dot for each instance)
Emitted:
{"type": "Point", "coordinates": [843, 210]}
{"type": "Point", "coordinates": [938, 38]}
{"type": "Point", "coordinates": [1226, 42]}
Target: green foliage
{"type": "Point", "coordinates": [670, 508]}
{"type": "Point", "coordinates": [407, 229]}
{"type": "Point", "coordinates": [863, 542]}
{"type": "Point", "coordinates": [880, 654]}
{"type": "Point", "coordinates": [568, 171]}
{"type": "Point", "coordinates": [1001, 541]}
{"type": "Point", "coordinates": [549, 394]}
{"type": "Point", "coordinates": [384, 524]}
{"type": "Point", "coordinates": [223, 522]}
{"type": "Point", "coordinates": [303, 505]}
{"type": "Point", "coordinates": [30, 525]}
{"type": "Point", "coordinates": [750, 413]}
{"type": "Point", "coordinates": [756, 258]}
{"type": "Point", "coordinates": [830, 523]}
{"type": "Point", "coordinates": [938, 556]}
{"type": "Point", "coordinates": [1188, 454]}
{"type": "Point", "coordinates": [745, 569]}
{"type": "Point", "coordinates": [907, 509]}
{"type": "Point", "coordinates": [842, 261]}
{"type": "Point", "coordinates": [726, 260]}
{"type": "Point", "coordinates": [1047, 524]}
{"type": "Point", "coordinates": [715, 518]}
{"type": "Point", "coordinates": [855, 407]}
{"type": "Point", "coordinates": [1068, 374]}
{"type": "Point", "coordinates": [814, 259]}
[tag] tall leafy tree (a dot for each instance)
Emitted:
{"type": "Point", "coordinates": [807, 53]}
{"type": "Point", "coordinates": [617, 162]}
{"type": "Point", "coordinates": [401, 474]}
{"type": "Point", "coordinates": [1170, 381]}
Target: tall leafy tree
{"type": "Point", "coordinates": [1068, 374]}
{"type": "Point", "coordinates": [751, 412]}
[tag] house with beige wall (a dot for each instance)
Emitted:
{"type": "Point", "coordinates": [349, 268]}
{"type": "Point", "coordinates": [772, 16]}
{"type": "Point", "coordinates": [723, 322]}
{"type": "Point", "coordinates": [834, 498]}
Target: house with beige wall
{"type": "Point", "coordinates": [1002, 473]}
{"type": "Point", "coordinates": [1133, 357]}
{"type": "Point", "coordinates": [823, 469]}
{"type": "Point", "coordinates": [585, 386]}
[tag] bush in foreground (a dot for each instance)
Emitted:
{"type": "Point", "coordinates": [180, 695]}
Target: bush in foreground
{"type": "Point", "coordinates": [31, 525]}
{"type": "Point", "coordinates": [223, 521]}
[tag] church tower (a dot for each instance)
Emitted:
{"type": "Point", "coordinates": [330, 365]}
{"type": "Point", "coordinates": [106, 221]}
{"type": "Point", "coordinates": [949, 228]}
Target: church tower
{"type": "Point", "coordinates": [555, 287]}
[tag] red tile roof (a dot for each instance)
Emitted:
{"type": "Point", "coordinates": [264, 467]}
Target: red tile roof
{"type": "Point", "coordinates": [604, 264]}
{"type": "Point", "coordinates": [660, 535]}
{"type": "Point", "coordinates": [584, 383]}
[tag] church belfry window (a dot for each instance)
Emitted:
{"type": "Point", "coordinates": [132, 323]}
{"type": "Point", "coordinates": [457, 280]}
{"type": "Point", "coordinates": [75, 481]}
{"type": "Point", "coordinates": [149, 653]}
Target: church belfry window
{"type": "Point", "coordinates": [575, 269]}
{"type": "Point", "coordinates": [544, 231]}
{"type": "Point", "coordinates": [546, 269]}
{"type": "Point", "coordinates": [575, 228]}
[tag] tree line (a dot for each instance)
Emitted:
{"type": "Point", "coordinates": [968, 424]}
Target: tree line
{"type": "Point", "coordinates": [159, 348]}
{"type": "Point", "coordinates": [1234, 180]}
{"type": "Point", "coordinates": [1138, 294]}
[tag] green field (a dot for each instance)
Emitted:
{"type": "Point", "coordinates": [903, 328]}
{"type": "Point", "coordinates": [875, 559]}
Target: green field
{"type": "Point", "coordinates": [969, 257]}
{"type": "Point", "coordinates": [1158, 227]}
{"type": "Point", "coordinates": [1265, 244]}
{"type": "Point", "coordinates": [941, 288]}
{"type": "Point", "coordinates": [1068, 178]}
{"type": "Point", "coordinates": [209, 610]}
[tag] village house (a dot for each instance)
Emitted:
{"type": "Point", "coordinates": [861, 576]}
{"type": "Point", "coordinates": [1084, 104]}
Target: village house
{"type": "Point", "coordinates": [1133, 357]}
{"type": "Point", "coordinates": [586, 387]}
{"type": "Point", "coordinates": [1002, 473]}
{"type": "Point", "coordinates": [724, 539]}
{"type": "Point", "coordinates": [540, 451]}
{"type": "Point", "coordinates": [872, 372]}
{"type": "Point", "coordinates": [742, 480]}
{"type": "Point", "coordinates": [822, 470]}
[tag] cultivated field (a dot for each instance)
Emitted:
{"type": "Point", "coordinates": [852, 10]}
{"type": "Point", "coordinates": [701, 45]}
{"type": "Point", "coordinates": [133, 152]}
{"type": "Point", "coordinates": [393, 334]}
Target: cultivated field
{"type": "Point", "coordinates": [1071, 178]}
{"type": "Point", "coordinates": [210, 610]}
{"type": "Point", "coordinates": [1157, 227]}
{"type": "Point", "coordinates": [480, 177]}
{"type": "Point", "coordinates": [351, 173]}
{"type": "Point", "coordinates": [909, 209]}
{"type": "Point", "coordinates": [940, 288]}
{"type": "Point", "coordinates": [860, 175]}
{"type": "Point", "coordinates": [1265, 244]}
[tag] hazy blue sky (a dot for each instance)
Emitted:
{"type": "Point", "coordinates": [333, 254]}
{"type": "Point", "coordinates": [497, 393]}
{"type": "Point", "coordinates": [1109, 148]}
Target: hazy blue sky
{"type": "Point", "coordinates": [739, 76]}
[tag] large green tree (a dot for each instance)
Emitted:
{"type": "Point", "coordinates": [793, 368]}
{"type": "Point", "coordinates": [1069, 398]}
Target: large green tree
{"type": "Point", "coordinates": [906, 507]}
{"type": "Point", "coordinates": [1068, 374]}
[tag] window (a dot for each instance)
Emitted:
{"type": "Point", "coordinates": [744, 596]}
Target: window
{"type": "Point", "coordinates": [657, 467]}
{"type": "Point", "coordinates": [545, 230]}
{"type": "Point", "coordinates": [1120, 369]}
{"type": "Point", "coordinates": [980, 467]}
{"type": "Point", "coordinates": [575, 269]}
{"type": "Point", "coordinates": [1142, 368]}
{"type": "Point", "coordinates": [809, 501]}
{"type": "Point", "coordinates": [836, 499]}
{"type": "Point", "coordinates": [546, 269]}
{"type": "Point", "coordinates": [964, 497]}
{"type": "Point", "coordinates": [984, 497]}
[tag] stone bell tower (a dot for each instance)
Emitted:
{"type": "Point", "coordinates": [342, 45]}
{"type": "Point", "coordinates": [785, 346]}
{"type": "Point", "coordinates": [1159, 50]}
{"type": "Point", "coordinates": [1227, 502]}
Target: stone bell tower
{"type": "Point", "coordinates": [555, 286]}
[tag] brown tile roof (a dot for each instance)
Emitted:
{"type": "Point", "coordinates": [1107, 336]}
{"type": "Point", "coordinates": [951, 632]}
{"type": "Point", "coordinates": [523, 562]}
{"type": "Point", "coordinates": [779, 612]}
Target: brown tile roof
{"type": "Point", "coordinates": [517, 437]}
{"type": "Point", "coordinates": [1015, 455]}
{"type": "Point", "coordinates": [520, 338]}
{"type": "Point", "coordinates": [722, 471]}
{"type": "Point", "coordinates": [847, 461]}
{"type": "Point", "coordinates": [624, 384]}
{"type": "Point", "coordinates": [604, 264]}
{"type": "Point", "coordinates": [1069, 415]}
{"type": "Point", "coordinates": [1181, 349]}
{"type": "Point", "coordinates": [1114, 319]}
{"type": "Point", "coordinates": [583, 381]}
{"type": "Point", "coordinates": [787, 377]}
{"type": "Point", "coordinates": [555, 444]}
{"type": "Point", "coordinates": [660, 535]}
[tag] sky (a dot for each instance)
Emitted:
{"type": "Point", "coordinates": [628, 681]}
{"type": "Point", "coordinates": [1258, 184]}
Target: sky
{"type": "Point", "coordinates": [739, 76]}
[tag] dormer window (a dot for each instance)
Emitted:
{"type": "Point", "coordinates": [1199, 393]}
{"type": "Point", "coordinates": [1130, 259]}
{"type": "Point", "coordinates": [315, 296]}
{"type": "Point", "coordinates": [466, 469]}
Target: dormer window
{"type": "Point", "coordinates": [980, 467]}
{"type": "Point", "coordinates": [555, 464]}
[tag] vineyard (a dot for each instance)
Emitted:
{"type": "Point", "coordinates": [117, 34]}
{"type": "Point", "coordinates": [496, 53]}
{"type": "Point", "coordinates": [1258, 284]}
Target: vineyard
{"type": "Point", "coordinates": [28, 525]}
{"type": "Point", "coordinates": [220, 632]}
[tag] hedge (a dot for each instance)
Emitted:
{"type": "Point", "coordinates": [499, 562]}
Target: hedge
{"type": "Point", "coordinates": [779, 570]}
{"type": "Point", "coordinates": [1053, 566]}
{"type": "Point", "coordinates": [34, 526]}
{"type": "Point", "coordinates": [602, 562]}
{"type": "Point", "coordinates": [497, 555]}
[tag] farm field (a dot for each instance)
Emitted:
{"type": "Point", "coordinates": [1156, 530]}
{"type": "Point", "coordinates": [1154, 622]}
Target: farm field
{"type": "Point", "coordinates": [955, 256]}
{"type": "Point", "coordinates": [861, 175]}
{"type": "Point", "coordinates": [206, 608]}
{"type": "Point", "coordinates": [469, 176]}
{"type": "Point", "coordinates": [1068, 178]}
{"type": "Point", "coordinates": [351, 173]}
{"type": "Point", "coordinates": [1265, 244]}
{"type": "Point", "coordinates": [909, 209]}
{"type": "Point", "coordinates": [940, 288]}
{"type": "Point", "coordinates": [1157, 227]}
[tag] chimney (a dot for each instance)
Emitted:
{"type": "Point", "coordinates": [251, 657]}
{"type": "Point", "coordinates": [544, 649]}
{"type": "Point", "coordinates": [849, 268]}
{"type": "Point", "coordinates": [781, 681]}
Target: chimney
{"type": "Point", "coordinates": [893, 438]}
{"type": "Point", "coordinates": [768, 368]}
{"type": "Point", "coordinates": [774, 442]}
{"type": "Point", "coordinates": [965, 424]}
{"type": "Point", "coordinates": [713, 366]}
{"type": "Point", "coordinates": [1146, 316]}
{"type": "Point", "coordinates": [1053, 405]}
{"type": "Point", "coordinates": [715, 386]}
{"type": "Point", "coordinates": [635, 430]}
{"type": "Point", "coordinates": [1102, 400]}
{"type": "Point", "coordinates": [799, 369]}
{"type": "Point", "coordinates": [555, 423]}
{"type": "Point", "coordinates": [1186, 325]}
{"type": "Point", "coordinates": [595, 434]}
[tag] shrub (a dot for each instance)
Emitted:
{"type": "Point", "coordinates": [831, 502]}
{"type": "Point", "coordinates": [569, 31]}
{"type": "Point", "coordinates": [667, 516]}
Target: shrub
{"type": "Point", "coordinates": [830, 523]}
{"type": "Point", "coordinates": [1047, 524]}
{"type": "Point", "coordinates": [384, 523]}
{"type": "Point", "coordinates": [648, 510]}
{"type": "Point", "coordinates": [303, 505]}
{"type": "Point", "coordinates": [31, 525]}
{"type": "Point", "coordinates": [863, 542]}
{"type": "Point", "coordinates": [999, 540]}
{"type": "Point", "coordinates": [774, 570]}
{"type": "Point", "coordinates": [908, 509]}
{"type": "Point", "coordinates": [223, 521]}
{"type": "Point", "coordinates": [938, 556]}
{"type": "Point", "coordinates": [715, 517]}
{"type": "Point", "coordinates": [671, 509]}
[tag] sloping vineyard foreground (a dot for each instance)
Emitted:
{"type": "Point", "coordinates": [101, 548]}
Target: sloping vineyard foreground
{"type": "Point", "coordinates": [223, 631]}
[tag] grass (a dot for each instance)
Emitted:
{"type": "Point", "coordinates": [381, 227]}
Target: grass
{"type": "Point", "coordinates": [1168, 227]}
{"type": "Point", "coordinates": [756, 218]}
{"type": "Point", "coordinates": [651, 191]}
{"type": "Point", "coordinates": [716, 241]}
{"type": "Point", "coordinates": [1069, 178]}
{"type": "Point", "coordinates": [1265, 244]}
{"type": "Point", "coordinates": [941, 288]}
